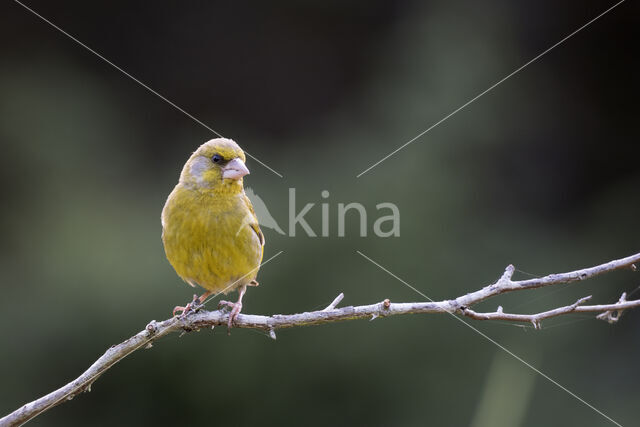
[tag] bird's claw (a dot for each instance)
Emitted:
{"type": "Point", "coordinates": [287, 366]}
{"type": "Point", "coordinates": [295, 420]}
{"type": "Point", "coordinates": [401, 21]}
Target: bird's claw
{"type": "Point", "coordinates": [236, 307]}
{"type": "Point", "coordinates": [223, 303]}
{"type": "Point", "coordinates": [180, 309]}
{"type": "Point", "coordinates": [193, 306]}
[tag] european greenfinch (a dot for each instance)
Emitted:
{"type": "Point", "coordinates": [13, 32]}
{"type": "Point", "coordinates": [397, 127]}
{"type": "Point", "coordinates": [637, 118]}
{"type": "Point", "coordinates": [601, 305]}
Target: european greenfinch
{"type": "Point", "coordinates": [210, 232]}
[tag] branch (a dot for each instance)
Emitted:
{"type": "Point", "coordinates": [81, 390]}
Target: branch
{"type": "Point", "coordinates": [461, 305]}
{"type": "Point", "coordinates": [612, 312]}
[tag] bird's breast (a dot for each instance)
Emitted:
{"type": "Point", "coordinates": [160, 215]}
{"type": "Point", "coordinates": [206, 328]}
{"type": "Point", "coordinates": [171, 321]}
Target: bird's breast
{"type": "Point", "coordinates": [208, 239]}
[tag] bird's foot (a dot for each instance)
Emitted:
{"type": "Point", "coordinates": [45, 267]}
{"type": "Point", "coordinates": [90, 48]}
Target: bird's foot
{"type": "Point", "coordinates": [236, 307]}
{"type": "Point", "coordinates": [193, 306]}
{"type": "Point", "coordinates": [253, 283]}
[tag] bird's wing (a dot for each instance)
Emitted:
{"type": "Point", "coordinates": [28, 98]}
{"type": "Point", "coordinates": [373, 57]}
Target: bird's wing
{"type": "Point", "coordinates": [254, 224]}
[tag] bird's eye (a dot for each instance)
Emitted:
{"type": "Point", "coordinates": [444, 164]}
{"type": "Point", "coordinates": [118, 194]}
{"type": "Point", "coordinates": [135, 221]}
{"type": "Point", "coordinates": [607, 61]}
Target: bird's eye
{"type": "Point", "coordinates": [217, 158]}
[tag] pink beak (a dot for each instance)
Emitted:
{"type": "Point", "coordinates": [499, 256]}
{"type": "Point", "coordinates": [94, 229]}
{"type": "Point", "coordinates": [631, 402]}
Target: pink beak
{"type": "Point", "coordinates": [235, 169]}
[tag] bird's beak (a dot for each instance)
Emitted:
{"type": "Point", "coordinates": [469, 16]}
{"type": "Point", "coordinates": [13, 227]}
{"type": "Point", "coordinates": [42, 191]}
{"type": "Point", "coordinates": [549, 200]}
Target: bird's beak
{"type": "Point", "coordinates": [235, 169]}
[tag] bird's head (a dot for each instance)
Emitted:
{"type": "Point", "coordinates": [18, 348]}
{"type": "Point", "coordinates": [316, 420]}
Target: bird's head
{"type": "Point", "coordinates": [216, 164]}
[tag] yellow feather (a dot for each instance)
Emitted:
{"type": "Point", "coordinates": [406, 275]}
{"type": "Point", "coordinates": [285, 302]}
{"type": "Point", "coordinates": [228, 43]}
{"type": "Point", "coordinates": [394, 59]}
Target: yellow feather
{"type": "Point", "coordinates": [210, 232]}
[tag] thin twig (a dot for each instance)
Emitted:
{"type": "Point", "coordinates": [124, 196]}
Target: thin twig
{"type": "Point", "coordinates": [335, 302]}
{"type": "Point", "coordinates": [461, 305]}
{"type": "Point", "coordinates": [608, 315]}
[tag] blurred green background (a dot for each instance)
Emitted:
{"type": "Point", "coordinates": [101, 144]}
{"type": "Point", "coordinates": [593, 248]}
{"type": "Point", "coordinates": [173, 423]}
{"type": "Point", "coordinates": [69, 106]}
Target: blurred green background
{"type": "Point", "coordinates": [541, 172]}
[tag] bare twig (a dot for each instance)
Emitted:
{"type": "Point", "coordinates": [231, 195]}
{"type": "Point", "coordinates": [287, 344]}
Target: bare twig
{"type": "Point", "coordinates": [461, 305]}
{"type": "Point", "coordinates": [611, 315]}
{"type": "Point", "coordinates": [335, 302]}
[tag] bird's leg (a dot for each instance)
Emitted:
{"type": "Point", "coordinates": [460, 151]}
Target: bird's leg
{"type": "Point", "coordinates": [235, 306]}
{"type": "Point", "coordinates": [193, 305]}
{"type": "Point", "coordinates": [202, 298]}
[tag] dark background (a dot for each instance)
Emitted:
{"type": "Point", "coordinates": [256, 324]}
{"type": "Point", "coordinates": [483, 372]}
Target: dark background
{"type": "Point", "coordinates": [541, 172]}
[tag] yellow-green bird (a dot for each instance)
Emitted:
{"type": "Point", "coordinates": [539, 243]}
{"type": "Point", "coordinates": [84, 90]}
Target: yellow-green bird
{"type": "Point", "coordinates": [210, 232]}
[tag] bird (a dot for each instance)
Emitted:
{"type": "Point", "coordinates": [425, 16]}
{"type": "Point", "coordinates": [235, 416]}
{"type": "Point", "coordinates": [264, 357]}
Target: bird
{"type": "Point", "coordinates": [210, 231]}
